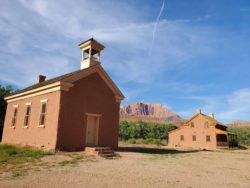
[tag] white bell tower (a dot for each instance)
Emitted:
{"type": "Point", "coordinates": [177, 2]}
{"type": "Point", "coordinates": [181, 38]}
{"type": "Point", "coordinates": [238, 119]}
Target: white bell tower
{"type": "Point", "coordinates": [91, 51]}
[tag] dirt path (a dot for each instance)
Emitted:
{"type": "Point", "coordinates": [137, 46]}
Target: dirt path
{"type": "Point", "coordinates": [146, 168]}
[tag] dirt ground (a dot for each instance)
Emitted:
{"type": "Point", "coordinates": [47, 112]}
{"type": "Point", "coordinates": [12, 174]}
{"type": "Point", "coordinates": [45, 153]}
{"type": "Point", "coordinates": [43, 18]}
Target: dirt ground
{"type": "Point", "coordinates": [139, 166]}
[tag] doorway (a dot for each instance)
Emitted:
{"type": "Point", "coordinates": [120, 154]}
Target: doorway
{"type": "Point", "coordinates": [92, 129]}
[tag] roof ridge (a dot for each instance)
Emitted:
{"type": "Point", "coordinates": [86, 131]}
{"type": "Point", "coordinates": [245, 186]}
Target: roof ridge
{"type": "Point", "coordinates": [50, 81]}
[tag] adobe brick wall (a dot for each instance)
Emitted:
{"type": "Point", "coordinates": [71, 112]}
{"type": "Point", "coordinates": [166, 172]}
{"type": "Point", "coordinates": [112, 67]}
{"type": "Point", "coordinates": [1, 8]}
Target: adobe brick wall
{"type": "Point", "coordinates": [89, 95]}
{"type": "Point", "coordinates": [199, 131]}
{"type": "Point", "coordinates": [33, 135]}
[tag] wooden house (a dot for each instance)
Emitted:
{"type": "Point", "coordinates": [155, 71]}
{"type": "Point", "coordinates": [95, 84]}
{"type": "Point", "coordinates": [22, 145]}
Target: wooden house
{"type": "Point", "coordinates": [201, 131]}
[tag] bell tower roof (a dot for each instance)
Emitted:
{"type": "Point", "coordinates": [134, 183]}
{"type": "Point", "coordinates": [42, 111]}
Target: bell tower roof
{"type": "Point", "coordinates": [91, 50]}
{"type": "Point", "coordinates": [93, 43]}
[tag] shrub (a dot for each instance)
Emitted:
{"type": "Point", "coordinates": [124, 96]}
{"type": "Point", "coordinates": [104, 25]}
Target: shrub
{"type": "Point", "coordinates": [143, 130]}
{"type": "Point", "coordinates": [243, 134]}
{"type": "Point", "coordinates": [132, 141]}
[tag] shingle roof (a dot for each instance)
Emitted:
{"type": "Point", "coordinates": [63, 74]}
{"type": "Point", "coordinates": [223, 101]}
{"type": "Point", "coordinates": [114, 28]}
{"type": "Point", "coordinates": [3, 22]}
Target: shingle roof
{"type": "Point", "coordinates": [214, 120]}
{"type": "Point", "coordinates": [91, 39]}
{"type": "Point", "coordinates": [208, 117]}
{"type": "Point", "coordinates": [47, 82]}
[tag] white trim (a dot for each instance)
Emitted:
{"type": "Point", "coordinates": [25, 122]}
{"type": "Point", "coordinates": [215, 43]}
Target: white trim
{"type": "Point", "coordinates": [15, 106]}
{"type": "Point", "coordinates": [25, 127]}
{"type": "Point", "coordinates": [41, 126]}
{"type": "Point", "coordinates": [28, 104]}
{"type": "Point", "coordinates": [44, 100]}
{"type": "Point", "coordinates": [35, 94]}
{"type": "Point", "coordinates": [12, 127]}
{"type": "Point", "coordinates": [33, 90]}
{"type": "Point", "coordinates": [64, 86]}
{"type": "Point", "coordinates": [95, 115]}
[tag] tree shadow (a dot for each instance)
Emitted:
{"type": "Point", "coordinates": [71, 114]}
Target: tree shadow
{"type": "Point", "coordinates": [241, 147]}
{"type": "Point", "coordinates": [147, 150]}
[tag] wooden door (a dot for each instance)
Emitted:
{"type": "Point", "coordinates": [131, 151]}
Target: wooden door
{"type": "Point", "coordinates": [92, 130]}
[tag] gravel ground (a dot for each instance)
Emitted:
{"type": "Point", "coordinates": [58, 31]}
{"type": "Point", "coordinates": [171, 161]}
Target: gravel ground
{"type": "Point", "coordinates": [144, 167]}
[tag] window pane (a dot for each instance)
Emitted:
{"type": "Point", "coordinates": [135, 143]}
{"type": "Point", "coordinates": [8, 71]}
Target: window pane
{"type": "Point", "coordinates": [13, 121]}
{"type": "Point", "coordinates": [182, 137]}
{"type": "Point", "coordinates": [26, 120]}
{"type": "Point", "coordinates": [42, 119]}
{"type": "Point", "coordinates": [192, 124]}
{"type": "Point", "coordinates": [206, 124]}
{"type": "Point", "coordinates": [208, 138]}
{"type": "Point", "coordinates": [15, 112]}
{"type": "Point", "coordinates": [43, 108]}
{"type": "Point", "coordinates": [27, 110]}
{"type": "Point", "coordinates": [194, 138]}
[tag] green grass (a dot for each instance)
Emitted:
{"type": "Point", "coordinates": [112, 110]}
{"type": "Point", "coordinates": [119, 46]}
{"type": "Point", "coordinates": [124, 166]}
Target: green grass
{"type": "Point", "coordinates": [76, 158]}
{"type": "Point", "coordinates": [12, 155]}
{"type": "Point", "coordinates": [145, 141]}
{"type": "Point", "coordinates": [18, 174]}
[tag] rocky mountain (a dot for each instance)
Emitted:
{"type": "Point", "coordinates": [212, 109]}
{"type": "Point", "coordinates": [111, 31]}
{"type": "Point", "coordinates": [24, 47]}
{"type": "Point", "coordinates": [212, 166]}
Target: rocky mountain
{"type": "Point", "coordinates": [239, 123]}
{"type": "Point", "coordinates": [150, 112]}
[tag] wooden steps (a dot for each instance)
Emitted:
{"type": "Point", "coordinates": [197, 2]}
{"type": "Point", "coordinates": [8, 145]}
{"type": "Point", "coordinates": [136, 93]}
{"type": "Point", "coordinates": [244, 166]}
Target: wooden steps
{"type": "Point", "coordinates": [104, 152]}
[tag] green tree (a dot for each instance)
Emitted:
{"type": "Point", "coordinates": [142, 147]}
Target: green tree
{"type": "Point", "coordinates": [4, 91]}
{"type": "Point", "coordinates": [243, 134]}
{"type": "Point", "coordinates": [144, 130]}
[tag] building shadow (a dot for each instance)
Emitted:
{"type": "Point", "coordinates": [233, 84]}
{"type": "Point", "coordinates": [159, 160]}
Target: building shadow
{"type": "Point", "coordinates": [147, 150]}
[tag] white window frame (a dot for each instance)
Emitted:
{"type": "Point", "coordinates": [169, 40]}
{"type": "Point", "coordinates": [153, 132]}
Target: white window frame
{"type": "Point", "coordinates": [206, 124]}
{"type": "Point", "coordinates": [41, 105]}
{"type": "Point", "coordinates": [14, 107]}
{"type": "Point", "coordinates": [27, 104]}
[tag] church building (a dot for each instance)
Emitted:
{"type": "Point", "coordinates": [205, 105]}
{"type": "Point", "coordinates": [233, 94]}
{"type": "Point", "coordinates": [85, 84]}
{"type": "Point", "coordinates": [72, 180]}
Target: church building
{"type": "Point", "coordinates": [69, 112]}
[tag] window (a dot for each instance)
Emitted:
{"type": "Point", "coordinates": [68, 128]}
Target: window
{"type": "Point", "coordinates": [182, 137]}
{"type": "Point", "coordinates": [194, 137]}
{"type": "Point", "coordinates": [43, 113]}
{"type": "Point", "coordinates": [14, 117]}
{"type": "Point", "coordinates": [206, 124]}
{"type": "Point", "coordinates": [27, 114]}
{"type": "Point", "coordinates": [192, 124]}
{"type": "Point", "coordinates": [208, 139]}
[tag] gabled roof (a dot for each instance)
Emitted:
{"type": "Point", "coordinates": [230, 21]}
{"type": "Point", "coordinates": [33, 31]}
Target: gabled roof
{"type": "Point", "coordinates": [215, 122]}
{"type": "Point", "coordinates": [68, 80]}
{"type": "Point", "coordinates": [206, 117]}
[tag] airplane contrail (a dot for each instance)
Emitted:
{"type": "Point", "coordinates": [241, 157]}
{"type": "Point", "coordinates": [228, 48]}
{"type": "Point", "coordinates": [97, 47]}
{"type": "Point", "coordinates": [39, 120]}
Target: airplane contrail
{"type": "Point", "coordinates": [156, 23]}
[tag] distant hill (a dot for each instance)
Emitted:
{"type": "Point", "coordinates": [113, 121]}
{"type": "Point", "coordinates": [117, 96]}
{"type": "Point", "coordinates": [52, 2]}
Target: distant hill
{"type": "Point", "coordinates": [239, 123]}
{"type": "Point", "coordinates": [149, 112]}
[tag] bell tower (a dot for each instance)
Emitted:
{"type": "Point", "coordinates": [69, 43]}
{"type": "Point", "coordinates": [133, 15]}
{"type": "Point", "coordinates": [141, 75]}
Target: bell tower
{"type": "Point", "coordinates": [91, 51]}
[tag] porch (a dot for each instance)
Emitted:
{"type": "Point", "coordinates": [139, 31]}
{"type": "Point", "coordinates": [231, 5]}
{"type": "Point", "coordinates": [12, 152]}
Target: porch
{"type": "Point", "coordinates": [225, 139]}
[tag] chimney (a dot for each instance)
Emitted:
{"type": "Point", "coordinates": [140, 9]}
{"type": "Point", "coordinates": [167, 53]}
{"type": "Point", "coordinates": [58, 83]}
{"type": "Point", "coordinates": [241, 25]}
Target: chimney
{"type": "Point", "coordinates": [198, 111]}
{"type": "Point", "coordinates": [211, 115]}
{"type": "Point", "coordinates": [40, 78]}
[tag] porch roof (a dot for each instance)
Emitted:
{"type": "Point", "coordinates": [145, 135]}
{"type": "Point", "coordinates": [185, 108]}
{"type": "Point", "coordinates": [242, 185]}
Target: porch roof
{"type": "Point", "coordinates": [219, 131]}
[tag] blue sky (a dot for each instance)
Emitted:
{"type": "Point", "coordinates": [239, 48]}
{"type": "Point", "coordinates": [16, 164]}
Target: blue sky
{"type": "Point", "coordinates": [195, 55]}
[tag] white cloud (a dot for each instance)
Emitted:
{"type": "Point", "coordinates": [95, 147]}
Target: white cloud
{"type": "Point", "coordinates": [238, 105]}
{"type": "Point", "coordinates": [53, 27]}
{"type": "Point", "coordinates": [234, 106]}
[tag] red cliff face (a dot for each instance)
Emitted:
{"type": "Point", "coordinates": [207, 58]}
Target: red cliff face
{"type": "Point", "coordinates": [149, 112]}
{"type": "Point", "coordinates": [239, 123]}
